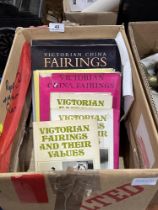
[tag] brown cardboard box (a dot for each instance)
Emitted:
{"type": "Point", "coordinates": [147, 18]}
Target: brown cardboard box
{"type": "Point", "coordinates": [90, 18]}
{"type": "Point", "coordinates": [102, 18]}
{"type": "Point", "coordinates": [91, 190]}
{"type": "Point", "coordinates": [104, 190]}
{"type": "Point", "coordinates": [59, 7]}
{"type": "Point", "coordinates": [143, 40]}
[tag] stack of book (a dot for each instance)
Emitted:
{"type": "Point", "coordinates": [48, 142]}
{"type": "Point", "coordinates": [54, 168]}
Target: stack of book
{"type": "Point", "coordinates": [76, 104]}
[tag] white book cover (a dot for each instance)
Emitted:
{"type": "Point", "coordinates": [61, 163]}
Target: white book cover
{"type": "Point", "coordinates": [61, 145]}
{"type": "Point", "coordinates": [105, 129]}
{"type": "Point", "coordinates": [80, 100]}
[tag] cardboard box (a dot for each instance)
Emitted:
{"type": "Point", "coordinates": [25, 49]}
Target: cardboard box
{"type": "Point", "coordinates": [57, 11]}
{"type": "Point", "coordinates": [143, 40]}
{"type": "Point", "coordinates": [103, 18]}
{"type": "Point", "coordinates": [90, 190]}
{"type": "Point", "coordinates": [106, 190]}
{"type": "Point", "coordinates": [90, 18]}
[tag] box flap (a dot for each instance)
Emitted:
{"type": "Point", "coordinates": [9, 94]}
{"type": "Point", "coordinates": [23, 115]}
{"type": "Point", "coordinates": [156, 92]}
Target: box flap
{"type": "Point", "coordinates": [107, 190]}
{"type": "Point", "coordinates": [103, 18]}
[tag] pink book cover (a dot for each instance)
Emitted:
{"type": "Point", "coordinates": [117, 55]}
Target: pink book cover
{"type": "Point", "coordinates": [83, 82]}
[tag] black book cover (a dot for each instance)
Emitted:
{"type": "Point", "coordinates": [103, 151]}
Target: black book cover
{"type": "Point", "coordinates": [72, 54]}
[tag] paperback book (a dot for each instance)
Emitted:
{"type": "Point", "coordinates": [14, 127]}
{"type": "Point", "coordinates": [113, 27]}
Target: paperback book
{"type": "Point", "coordinates": [48, 73]}
{"type": "Point", "coordinates": [105, 124]}
{"type": "Point", "coordinates": [60, 145]}
{"type": "Point", "coordinates": [77, 82]}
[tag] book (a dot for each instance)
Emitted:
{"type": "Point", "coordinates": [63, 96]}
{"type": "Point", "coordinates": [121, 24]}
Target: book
{"type": "Point", "coordinates": [47, 73]}
{"type": "Point", "coordinates": [60, 145]}
{"type": "Point", "coordinates": [75, 54]}
{"type": "Point", "coordinates": [80, 100]}
{"type": "Point", "coordinates": [77, 82]}
{"type": "Point", "coordinates": [105, 124]}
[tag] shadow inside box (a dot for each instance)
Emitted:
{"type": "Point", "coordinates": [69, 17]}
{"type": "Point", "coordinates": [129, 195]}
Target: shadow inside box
{"type": "Point", "coordinates": [10, 18]}
{"type": "Point", "coordinates": [6, 39]}
{"type": "Point", "coordinates": [129, 11]}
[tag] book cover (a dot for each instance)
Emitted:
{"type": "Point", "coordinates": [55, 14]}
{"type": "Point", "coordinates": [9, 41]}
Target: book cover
{"type": "Point", "coordinates": [105, 122]}
{"type": "Point", "coordinates": [80, 100]}
{"type": "Point", "coordinates": [60, 145]}
{"type": "Point", "coordinates": [77, 82]}
{"type": "Point", "coordinates": [75, 54]}
{"type": "Point", "coordinates": [47, 73]}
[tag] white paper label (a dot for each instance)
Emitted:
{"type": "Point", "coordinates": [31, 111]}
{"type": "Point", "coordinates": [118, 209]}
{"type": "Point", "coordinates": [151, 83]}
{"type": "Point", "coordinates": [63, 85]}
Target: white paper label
{"type": "Point", "coordinates": [144, 144]}
{"type": "Point", "coordinates": [144, 181]}
{"type": "Point", "coordinates": [56, 27]}
{"type": "Point", "coordinates": [79, 5]}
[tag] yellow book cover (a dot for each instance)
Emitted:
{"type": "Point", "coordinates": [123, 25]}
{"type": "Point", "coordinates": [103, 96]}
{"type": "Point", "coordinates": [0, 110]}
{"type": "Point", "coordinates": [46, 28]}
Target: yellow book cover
{"type": "Point", "coordinates": [60, 145]}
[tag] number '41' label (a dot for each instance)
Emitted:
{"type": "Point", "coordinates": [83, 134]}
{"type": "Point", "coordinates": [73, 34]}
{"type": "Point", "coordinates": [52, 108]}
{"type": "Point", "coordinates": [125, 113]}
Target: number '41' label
{"type": "Point", "coordinates": [56, 27]}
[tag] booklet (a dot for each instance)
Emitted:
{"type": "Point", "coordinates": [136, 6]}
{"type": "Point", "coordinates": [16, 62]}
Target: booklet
{"type": "Point", "coordinates": [106, 125]}
{"type": "Point", "coordinates": [77, 82]}
{"type": "Point", "coordinates": [48, 73]}
{"type": "Point", "coordinates": [62, 145]}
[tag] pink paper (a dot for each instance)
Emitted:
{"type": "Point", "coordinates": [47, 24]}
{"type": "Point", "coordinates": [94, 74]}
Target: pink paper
{"type": "Point", "coordinates": [116, 117]}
